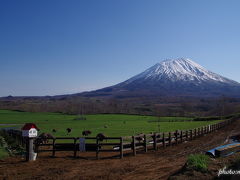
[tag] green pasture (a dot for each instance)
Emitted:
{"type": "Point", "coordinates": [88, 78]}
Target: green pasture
{"type": "Point", "coordinates": [109, 124]}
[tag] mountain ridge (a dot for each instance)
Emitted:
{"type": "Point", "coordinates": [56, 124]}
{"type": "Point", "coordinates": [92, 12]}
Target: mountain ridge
{"type": "Point", "coordinates": [174, 77]}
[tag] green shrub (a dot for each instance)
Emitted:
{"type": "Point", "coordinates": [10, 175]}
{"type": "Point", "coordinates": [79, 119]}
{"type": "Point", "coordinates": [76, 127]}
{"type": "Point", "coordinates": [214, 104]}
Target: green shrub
{"type": "Point", "coordinates": [3, 148]}
{"type": "Point", "coordinates": [3, 153]}
{"type": "Point", "coordinates": [10, 144]}
{"type": "Point", "coordinates": [198, 162]}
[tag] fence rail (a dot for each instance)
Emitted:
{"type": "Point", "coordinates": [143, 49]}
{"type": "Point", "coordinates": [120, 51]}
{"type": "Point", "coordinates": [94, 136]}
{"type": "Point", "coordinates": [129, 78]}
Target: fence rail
{"type": "Point", "coordinates": [123, 145]}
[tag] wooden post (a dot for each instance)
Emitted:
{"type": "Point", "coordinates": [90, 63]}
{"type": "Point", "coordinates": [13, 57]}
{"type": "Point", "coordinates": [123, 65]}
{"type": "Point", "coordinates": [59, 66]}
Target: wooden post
{"type": "Point", "coordinates": [75, 147]}
{"type": "Point", "coordinates": [169, 139]}
{"type": "Point", "coordinates": [199, 131]}
{"type": "Point", "coordinates": [191, 135]}
{"type": "Point", "coordinates": [53, 148]}
{"type": "Point", "coordinates": [163, 140]}
{"type": "Point", "coordinates": [145, 142]}
{"type": "Point", "coordinates": [176, 136]}
{"type": "Point", "coordinates": [186, 135]}
{"type": "Point", "coordinates": [181, 136]}
{"type": "Point", "coordinates": [195, 133]}
{"type": "Point", "coordinates": [97, 148]}
{"type": "Point", "coordinates": [133, 145]}
{"type": "Point", "coordinates": [155, 142]}
{"type": "Point", "coordinates": [31, 152]}
{"type": "Point", "coordinates": [121, 147]}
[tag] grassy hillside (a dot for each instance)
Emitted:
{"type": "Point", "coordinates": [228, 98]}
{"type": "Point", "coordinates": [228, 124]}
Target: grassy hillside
{"type": "Point", "coordinates": [110, 124]}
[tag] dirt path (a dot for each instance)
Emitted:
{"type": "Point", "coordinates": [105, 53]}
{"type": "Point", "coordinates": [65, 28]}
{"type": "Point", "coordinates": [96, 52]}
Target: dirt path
{"type": "Point", "coordinates": [152, 165]}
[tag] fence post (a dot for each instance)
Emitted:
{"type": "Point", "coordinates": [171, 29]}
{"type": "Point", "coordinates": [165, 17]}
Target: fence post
{"type": "Point", "coordinates": [163, 140]}
{"type": "Point", "coordinates": [53, 147]}
{"type": "Point", "coordinates": [195, 133]}
{"type": "Point", "coordinates": [186, 135]}
{"type": "Point", "coordinates": [191, 135]}
{"type": "Point", "coordinates": [155, 142]}
{"type": "Point", "coordinates": [121, 147]}
{"type": "Point", "coordinates": [181, 136]}
{"type": "Point", "coordinates": [133, 145]}
{"type": "Point", "coordinates": [75, 147]}
{"type": "Point", "coordinates": [97, 148]}
{"type": "Point", "coordinates": [176, 136]}
{"type": "Point", "coordinates": [169, 139]}
{"type": "Point", "coordinates": [145, 142]}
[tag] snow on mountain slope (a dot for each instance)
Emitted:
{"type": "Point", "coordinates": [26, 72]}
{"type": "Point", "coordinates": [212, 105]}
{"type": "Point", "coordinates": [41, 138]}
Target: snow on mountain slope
{"type": "Point", "coordinates": [180, 70]}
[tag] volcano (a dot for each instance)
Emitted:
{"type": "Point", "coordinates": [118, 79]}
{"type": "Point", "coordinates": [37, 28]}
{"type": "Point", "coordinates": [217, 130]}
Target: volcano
{"type": "Point", "coordinates": [173, 77]}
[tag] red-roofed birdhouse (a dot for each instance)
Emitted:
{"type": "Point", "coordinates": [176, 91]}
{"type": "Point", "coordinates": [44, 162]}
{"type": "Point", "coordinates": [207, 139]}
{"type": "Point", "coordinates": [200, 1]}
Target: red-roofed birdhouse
{"type": "Point", "coordinates": [29, 130]}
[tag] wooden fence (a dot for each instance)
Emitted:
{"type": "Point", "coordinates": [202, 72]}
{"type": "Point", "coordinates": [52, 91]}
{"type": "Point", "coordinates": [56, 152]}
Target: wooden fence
{"type": "Point", "coordinates": [128, 144]}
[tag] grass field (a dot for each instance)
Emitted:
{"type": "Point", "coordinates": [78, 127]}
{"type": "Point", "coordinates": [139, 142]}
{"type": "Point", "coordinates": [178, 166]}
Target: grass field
{"type": "Point", "coordinates": [109, 124]}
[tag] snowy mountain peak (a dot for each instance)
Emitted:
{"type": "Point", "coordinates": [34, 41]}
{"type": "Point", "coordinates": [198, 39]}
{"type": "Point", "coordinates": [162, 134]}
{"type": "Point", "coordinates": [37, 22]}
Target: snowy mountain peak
{"type": "Point", "coordinates": [171, 78]}
{"type": "Point", "coordinates": [180, 69]}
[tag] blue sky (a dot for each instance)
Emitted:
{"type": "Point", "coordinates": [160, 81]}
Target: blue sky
{"type": "Point", "coordinates": [50, 47]}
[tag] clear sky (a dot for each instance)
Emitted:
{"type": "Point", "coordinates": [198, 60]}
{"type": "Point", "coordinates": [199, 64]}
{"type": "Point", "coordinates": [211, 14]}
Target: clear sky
{"type": "Point", "coordinates": [51, 47]}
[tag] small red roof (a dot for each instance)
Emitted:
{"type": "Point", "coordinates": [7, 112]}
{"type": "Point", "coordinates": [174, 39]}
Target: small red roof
{"type": "Point", "coordinates": [28, 126]}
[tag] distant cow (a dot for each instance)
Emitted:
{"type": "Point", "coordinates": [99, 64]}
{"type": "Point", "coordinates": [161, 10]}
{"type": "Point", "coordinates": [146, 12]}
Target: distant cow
{"type": "Point", "coordinates": [43, 138]}
{"type": "Point", "coordinates": [86, 133]}
{"type": "Point", "coordinates": [100, 136]}
{"type": "Point", "coordinates": [105, 126]}
{"type": "Point", "coordinates": [176, 133]}
{"type": "Point", "coordinates": [69, 130]}
{"type": "Point", "coordinates": [140, 137]}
